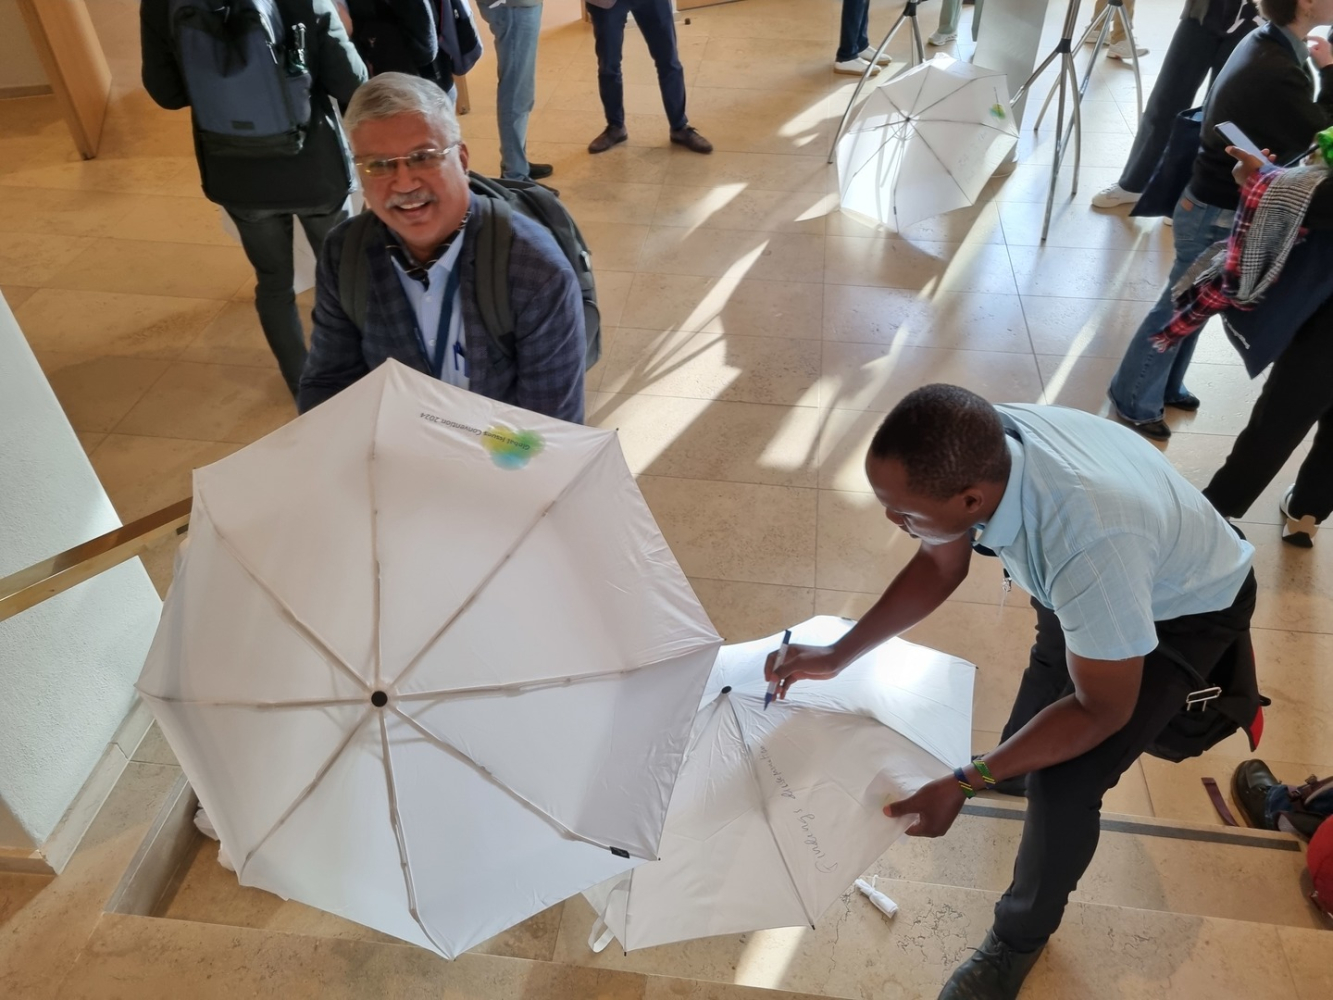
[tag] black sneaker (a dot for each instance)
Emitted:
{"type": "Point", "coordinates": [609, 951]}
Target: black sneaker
{"type": "Point", "coordinates": [538, 171]}
{"type": "Point", "coordinates": [994, 972]}
{"type": "Point", "coordinates": [1298, 531]}
{"type": "Point", "coordinates": [690, 138]}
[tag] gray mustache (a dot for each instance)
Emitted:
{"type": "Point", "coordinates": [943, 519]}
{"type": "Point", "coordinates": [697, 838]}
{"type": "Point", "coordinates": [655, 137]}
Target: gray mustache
{"type": "Point", "coordinates": [398, 200]}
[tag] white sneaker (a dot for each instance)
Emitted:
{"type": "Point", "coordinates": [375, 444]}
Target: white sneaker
{"type": "Point", "coordinates": [854, 67]}
{"type": "Point", "coordinates": [942, 38]}
{"type": "Point", "coordinates": [883, 60]}
{"type": "Point", "coordinates": [1113, 197]}
{"type": "Point", "coordinates": [1120, 50]}
{"type": "Point", "coordinates": [1298, 531]}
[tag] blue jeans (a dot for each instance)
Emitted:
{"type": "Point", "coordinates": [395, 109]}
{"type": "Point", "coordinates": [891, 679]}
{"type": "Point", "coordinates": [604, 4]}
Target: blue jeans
{"type": "Point", "coordinates": [266, 237]}
{"type": "Point", "coordinates": [852, 38]}
{"type": "Point", "coordinates": [658, 27]}
{"type": "Point", "coordinates": [516, 30]}
{"type": "Point", "coordinates": [1147, 378]}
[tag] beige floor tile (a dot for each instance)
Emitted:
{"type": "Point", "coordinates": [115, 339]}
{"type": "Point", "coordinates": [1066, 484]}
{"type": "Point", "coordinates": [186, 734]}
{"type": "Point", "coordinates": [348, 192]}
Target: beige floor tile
{"type": "Point", "coordinates": [173, 175]}
{"type": "Point", "coordinates": [712, 439]}
{"type": "Point", "coordinates": [555, 125]}
{"type": "Point", "coordinates": [1032, 181]}
{"type": "Point", "coordinates": [1295, 585]}
{"type": "Point", "coordinates": [733, 254]}
{"type": "Point", "coordinates": [1099, 149]}
{"type": "Point", "coordinates": [31, 259]}
{"type": "Point", "coordinates": [761, 171]}
{"type": "Point", "coordinates": [17, 891]}
{"type": "Point", "coordinates": [766, 129]}
{"type": "Point", "coordinates": [1292, 672]}
{"type": "Point", "coordinates": [95, 391]}
{"type": "Point", "coordinates": [978, 224]}
{"type": "Point", "coordinates": [615, 246]}
{"type": "Point", "coordinates": [796, 63]}
{"type": "Point", "coordinates": [174, 220]}
{"type": "Point", "coordinates": [233, 337]}
{"type": "Point", "coordinates": [1095, 273]}
{"type": "Point", "coordinates": [61, 213]}
{"type": "Point", "coordinates": [144, 474]}
{"type": "Point", "coordinates": [114, 323]}
{"type": "Point", "coordinates": [732, 206]}
{"type": "Point", "coordinates": [612, 291]}
{"type": "Point", "coordinates": [923, 266]}
{"type": "Point", "coordinates": [16, 295]}
{"type": "Point", "coordinates": [595, 202]}
{"type": "Point", "coordinates": [742, 306]}
{"type": "Point", "coordinates": [148, 268]}
{"type": "Point", "coordinates": [90, 441]}
{"type": "Point", "coordinates": [211, 403]}
{"type": "Point", "coordinates": [1072, 225]}
{"type": "Point", "coordinates": [1103, 328]}
{"type": "Point", "coordinates": [742, 612]}
{"type": "Point", "coordinates": [627, 163]}
{"type": "Point", "coordinates": [154, 749]}
{"type": "Point", "coordinates": [861, 550]}
{"type": "Point", "coordinates": [716, 107]}
{"type": "Point", "coordinates": [893, 316]}
{"type": "Point", "coordinates": [779, 21]}
{"type": "Point", "coordinates": [736, 531]}
{"type": "Point", "coordinates": [1307, 959]}
{"type": "Point", "coordinates": [875, 378]}
{"type": "Point", "coordinates": [580, 94]}
{"type": "Point", "coordinates": [1177, 788]}
{"type": "Point", "coordinates": [712, 366]}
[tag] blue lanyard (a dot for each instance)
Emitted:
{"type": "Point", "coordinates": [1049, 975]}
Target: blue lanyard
{"type": "Point", "coordinates": [436, 358]}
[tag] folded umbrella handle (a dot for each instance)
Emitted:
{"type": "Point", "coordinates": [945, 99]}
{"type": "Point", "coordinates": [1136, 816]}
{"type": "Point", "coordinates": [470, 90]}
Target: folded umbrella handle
{"type": "Point", "coordinates": [601, 935]}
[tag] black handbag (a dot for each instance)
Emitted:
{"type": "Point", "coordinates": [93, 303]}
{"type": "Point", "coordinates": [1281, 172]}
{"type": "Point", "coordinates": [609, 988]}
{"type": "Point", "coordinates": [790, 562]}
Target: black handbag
{"type": "Point", "coordinates": [1172, 174]}
{"type": "Point", "coordinates": [1227, 700]}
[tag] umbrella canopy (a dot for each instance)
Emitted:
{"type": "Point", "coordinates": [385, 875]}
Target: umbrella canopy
{"type": "Point", "coordinates": [925, 142]}
{"type": "Point", "coordinates": [777, 812]}
{"type": "Point", "coordinates": [428, 663]}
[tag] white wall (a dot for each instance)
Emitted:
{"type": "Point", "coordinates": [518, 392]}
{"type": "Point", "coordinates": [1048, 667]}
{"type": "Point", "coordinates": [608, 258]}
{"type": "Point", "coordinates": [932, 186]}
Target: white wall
{"type": "Point", "coordinates": [67, 666]}
{"type": "Point", "coordinates": [19, 65]}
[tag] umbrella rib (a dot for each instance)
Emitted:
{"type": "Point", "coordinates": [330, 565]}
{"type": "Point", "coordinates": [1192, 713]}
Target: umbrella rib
{"type": "Point", "coordinates": [458, 755]}
{"type": "Point", "coordinates": [305, 792]}
{"type": "Point", "coordinates": [485, 581]}
{"type": "Point", "coordinates": [307, 633]}
{"type": "Point", "coordinates": [230, 703]}
{"type": "Point", "coordinates": [763, 800]}
{"type": "Point", "coordinates": [396, 821]}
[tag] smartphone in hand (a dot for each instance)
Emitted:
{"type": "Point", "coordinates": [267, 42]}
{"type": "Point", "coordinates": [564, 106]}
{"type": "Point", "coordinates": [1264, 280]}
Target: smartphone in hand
{"type": "Point", "coordinates": [1240, 140]}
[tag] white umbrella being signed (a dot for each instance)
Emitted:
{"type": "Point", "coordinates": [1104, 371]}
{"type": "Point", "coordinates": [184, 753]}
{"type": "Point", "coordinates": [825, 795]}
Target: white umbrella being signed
{"type": "Point", "coordinates": [428, 662]}
{"type": "Point", "coordinates": [776, 813]}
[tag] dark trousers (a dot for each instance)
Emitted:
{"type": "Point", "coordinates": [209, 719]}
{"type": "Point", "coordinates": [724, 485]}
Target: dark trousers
{"type": "Point", "coordinates": [852, 37]}
{"type": "Point", "coordinates": [659, 30]}
{"type": "Point", "coordinates": [266, 236]}
{"type": "Point", "coordinates": [1063, 822]}
{"type": "Point", "coordinates": [1297, 396]}
{"type": "Point", "coordinates": [1194, 53]}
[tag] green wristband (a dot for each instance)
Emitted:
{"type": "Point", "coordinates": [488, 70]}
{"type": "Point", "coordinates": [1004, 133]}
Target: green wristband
{"type": "Point", "coordinates": [984, 771]}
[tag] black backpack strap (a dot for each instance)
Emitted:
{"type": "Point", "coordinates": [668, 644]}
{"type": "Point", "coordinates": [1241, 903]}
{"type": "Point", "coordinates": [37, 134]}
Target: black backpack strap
{"type": "Point", "coordinates": [495, 239]}
{"type": "Point", "coordinates": [354, 270]}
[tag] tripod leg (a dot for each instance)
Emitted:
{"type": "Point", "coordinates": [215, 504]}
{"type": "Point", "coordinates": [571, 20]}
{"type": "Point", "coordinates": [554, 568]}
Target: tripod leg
{"type": "Point", "coordinates": [1133, 56]}
{"type": "Point", "coordinates": [1059, 142]}
{"type": "Point", "coordinates": [1076, 124]}
{"type": "Point", "coordinates": [1103, 26]}
{"type": "Point", "coordinates": [918, 49]}
{"type": "Point", "coordinates": [865, 75]}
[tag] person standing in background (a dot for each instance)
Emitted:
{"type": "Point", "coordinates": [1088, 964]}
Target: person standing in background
{"type": "Point", "coordinates": [854, 51]}
{"type": "Point", "coordinates": [1117, 44]}
{"type": "Point", "coordinates": [516, 25]}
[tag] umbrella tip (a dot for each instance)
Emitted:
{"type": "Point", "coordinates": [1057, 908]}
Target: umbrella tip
{"type": "Point", "coordinates": [727, 689]}
{"type": "Point", "coordinates": [379, 699]}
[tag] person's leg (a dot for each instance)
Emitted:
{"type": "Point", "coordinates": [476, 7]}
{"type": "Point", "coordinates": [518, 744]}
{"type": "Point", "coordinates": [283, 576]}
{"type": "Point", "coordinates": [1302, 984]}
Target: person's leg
{"type": "Point", "coordinates": [608, 32]}
{"type": "Point", "coordinates": [1188, 60]}
{"type": "Point", "coordinates": [266, 237]}
{"type": "Point", "coordinates": [1046, 679]}
{"type": "Point", "coordinates": [1297, 395]}
{"type": "Point", "coordinates": [853, 35]}
{"type": "Point", "coordinates": [655, 21]}
{"type": "Point", "coordinates": [515, 31]}
{"type": "Point", "coordinates": [1140, 385]}
{"type": "Point", "coordinates": [951, 12]}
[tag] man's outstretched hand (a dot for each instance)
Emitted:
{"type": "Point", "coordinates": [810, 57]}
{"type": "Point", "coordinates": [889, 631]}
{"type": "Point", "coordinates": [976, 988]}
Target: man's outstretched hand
{"type": "Point", "coordinates": [816, 663]}
{"type": "Point", "coordinates": [936, 806]}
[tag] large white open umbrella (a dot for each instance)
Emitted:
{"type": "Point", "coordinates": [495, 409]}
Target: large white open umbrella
{"type": "Point", "coordinates": [925, 142]}
{"type": "Point", "coordinates": [777, 812]}
{"type": "Point", "coordinates": [428, 663]}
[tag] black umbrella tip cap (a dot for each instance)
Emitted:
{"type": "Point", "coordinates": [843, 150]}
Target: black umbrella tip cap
{"type": "Point", "coordinates": [727, 689]}
{"type": "Point", "coordinates": [379, 699]}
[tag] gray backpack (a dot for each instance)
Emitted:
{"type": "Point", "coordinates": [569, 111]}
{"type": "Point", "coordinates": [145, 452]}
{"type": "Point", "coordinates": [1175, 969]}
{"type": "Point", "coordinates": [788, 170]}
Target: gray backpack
{"type": "Point", "coordinates": [246, 75]}
{"type": "Point", "coordinates": [498, 200]}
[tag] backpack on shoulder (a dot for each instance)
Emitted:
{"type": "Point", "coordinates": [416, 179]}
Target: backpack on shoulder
{"type": "Point", "coordinates": [499, 201]}
{"type": "Point", "coordinates": [245, 71]}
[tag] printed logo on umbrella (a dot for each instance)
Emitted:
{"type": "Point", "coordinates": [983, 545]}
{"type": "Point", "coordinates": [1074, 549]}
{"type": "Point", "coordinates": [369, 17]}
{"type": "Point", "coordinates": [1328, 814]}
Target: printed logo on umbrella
{"type": "Point", "coordinates": [997, 111]}
{"type": "Point", "coordinates": [511, 449]}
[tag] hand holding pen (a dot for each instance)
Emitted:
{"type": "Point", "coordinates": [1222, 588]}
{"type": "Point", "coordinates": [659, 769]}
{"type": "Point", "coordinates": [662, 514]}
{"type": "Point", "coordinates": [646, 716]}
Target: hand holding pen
{"type": "Point", "coordinates": [773, 682]}
{"type": "Point", "coordinates": [792, 662]}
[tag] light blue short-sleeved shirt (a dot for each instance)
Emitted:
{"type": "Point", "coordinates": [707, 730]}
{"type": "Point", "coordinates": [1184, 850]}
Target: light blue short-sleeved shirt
{"type": "Point", "coordinates": [1097, 525]}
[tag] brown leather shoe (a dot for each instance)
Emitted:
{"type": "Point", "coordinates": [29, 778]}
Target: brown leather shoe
{"type": "Point", "coordinates": [690, 138]}
{"type": "Point", "coordinates": [612, 135]}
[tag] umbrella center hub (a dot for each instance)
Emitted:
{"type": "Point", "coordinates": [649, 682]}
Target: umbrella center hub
{"type": "Point", "coordinates": [379, 699]}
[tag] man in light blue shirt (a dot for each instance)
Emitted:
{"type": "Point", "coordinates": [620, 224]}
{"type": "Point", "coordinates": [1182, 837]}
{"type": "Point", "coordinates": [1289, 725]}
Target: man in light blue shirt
{"type": "Point", "coordinates": [1141, 590]}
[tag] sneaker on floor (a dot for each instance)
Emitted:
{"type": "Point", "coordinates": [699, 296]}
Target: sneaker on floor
{"type": "Point", "coordinates": [1120, 50]}
{"type": "Point", "coordinates": [1298, 531]}
{"type": "Point", "coordinates": [884, 58]}
{"type": "Point", "coordinates": [690, 138]}
{"type": "Point", "coordinates": [611, 136]}
{"type": "Point", "coordinates": [854, 67]}
{"type": "Point", "coordinates": [942, 38]}
{"type": "Point", "coordinates": [1113, 197]}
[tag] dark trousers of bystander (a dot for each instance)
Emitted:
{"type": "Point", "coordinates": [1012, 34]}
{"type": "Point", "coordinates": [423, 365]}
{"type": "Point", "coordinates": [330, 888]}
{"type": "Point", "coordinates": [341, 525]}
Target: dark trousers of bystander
{"type": "Point", "coordinates": [1063, 820]}
{"type": "Point", "coordinates": [1297, 396]}
{"type": "Point", "coordinates": [658, 26]}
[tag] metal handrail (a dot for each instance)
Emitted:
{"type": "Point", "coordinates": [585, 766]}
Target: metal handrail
{"type": "Point", "coordinates": [30, 587]}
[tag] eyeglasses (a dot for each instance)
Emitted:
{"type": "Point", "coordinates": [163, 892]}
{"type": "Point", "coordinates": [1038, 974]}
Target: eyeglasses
{"type": "Point", "coordinates": [417, 160]}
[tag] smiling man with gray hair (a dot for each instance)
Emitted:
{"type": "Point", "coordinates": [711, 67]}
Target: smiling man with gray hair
{"type": "Point", "coordinates": [405, 282]}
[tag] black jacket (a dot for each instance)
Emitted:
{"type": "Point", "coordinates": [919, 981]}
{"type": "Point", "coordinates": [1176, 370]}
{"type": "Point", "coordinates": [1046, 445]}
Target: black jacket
{"type": "Point", "coordinates": [1265, 91]}
{"type": "Point", "coordinates": [321, 174]}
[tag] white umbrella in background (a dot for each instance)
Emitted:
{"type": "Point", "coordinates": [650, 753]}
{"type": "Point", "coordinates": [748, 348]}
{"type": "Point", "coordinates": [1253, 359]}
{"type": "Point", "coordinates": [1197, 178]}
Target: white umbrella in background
{"type": "Point", "coordinates": [777, 812]}
{"type": "Point", "coordinates": [429, 664]}
{"type": "Point", "coordinates": [925, 142]}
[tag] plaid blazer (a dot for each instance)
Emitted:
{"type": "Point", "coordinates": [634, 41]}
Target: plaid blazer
{"type": "Point", "coordinates": [547, 375]}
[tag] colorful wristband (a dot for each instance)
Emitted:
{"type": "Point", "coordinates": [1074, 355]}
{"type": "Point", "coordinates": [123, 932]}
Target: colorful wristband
{"type": "Point", "coordinates": [963, 783]}
{"type": "Point", "coordinates": [984, 771]}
